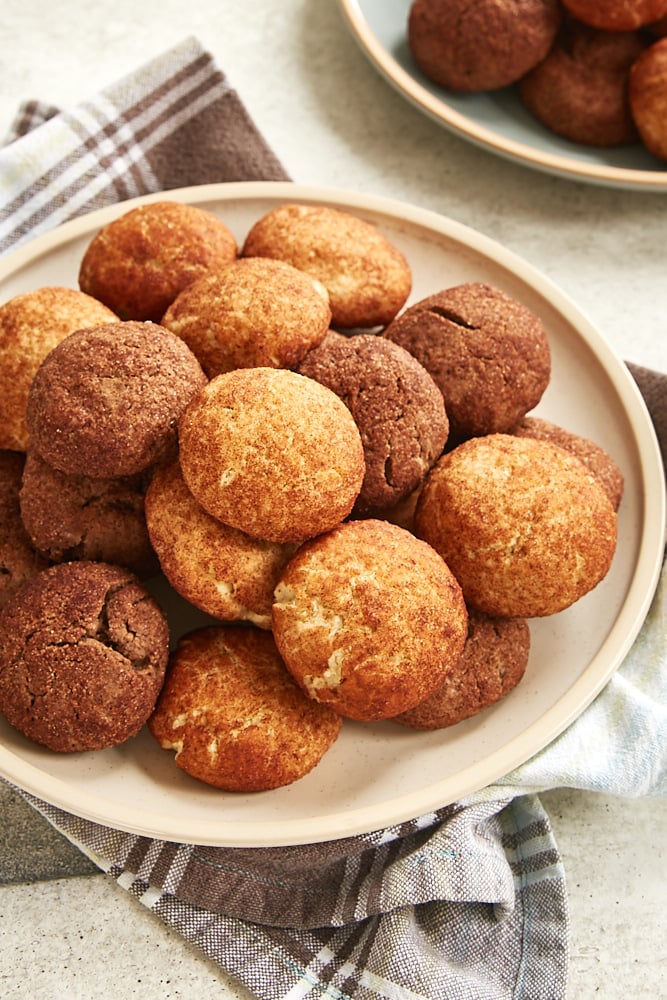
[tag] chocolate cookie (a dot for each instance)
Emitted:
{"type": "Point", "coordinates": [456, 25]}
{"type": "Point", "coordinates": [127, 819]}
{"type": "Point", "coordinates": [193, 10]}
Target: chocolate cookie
{"type": "Point", "coordinates": [487, 353]}
{"type": "Point", "coordinates": [493, 661]}
{"type": "Point", "coordinates": [75, 517]}
{"type": "Point", "coordinates": [480, 46]}
{"type": "Point", "coordinates": [138, 263]}
{"type": "Point", "coordinates": [83, 651]}
{"type": "Point", "coordinates": [368, 279]}
{"type": "Point", "coordinates": [220, 570]}
{"type": "Point", "coordinates": [368, 619]}
{"type": "Point", "coordinates": [580, 90]}
{"type": "Point", "coordinates": [18, 559]}
{"type": "Point", "coordinates": [597, 460]}
{"type": "Point", "coordinates": [106, 401]}
{"type": "Point", "coordinates": [617, 15]}
{"type": "Point", "coordinates": [31, 324]}
{"type": "Point", "coordinates": [256, 312]}
{"type": "Point", "coordinates": [524, 526]}
{"type": "Point", "coordinates": [272, 453]}
{"type": "Point", "coordinates": [235, 717]}
{"type": "Point", "coordinates": [396, 405]}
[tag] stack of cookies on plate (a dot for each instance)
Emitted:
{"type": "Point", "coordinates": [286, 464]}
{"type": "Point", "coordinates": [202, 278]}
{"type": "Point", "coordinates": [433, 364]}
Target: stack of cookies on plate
{"type": "Point", "coordinates": [351, 488]}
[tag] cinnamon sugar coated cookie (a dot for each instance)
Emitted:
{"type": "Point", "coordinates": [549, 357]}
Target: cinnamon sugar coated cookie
{"type": "Point", "coordinates": [106, 401]}
{"type": "Point", "coordinates": [138, 263]}
{"type": "Point", "coordinates": [524, 526]}
{"type": "Point", "coordinates": [218, 569]}
{"type": "Point", "coordinates": [19, 561]}
{"type": "Point", "coordinates": [31, 325]}
{"type": "Point", "coordinates": [256, 312]}
{"type": "Point", "coordinates": [368, 279]}
{"type": "Point", "coordinates": [480, 46]}
{"type": "Point", "coordinates": [83, 652]}
{"type": "Point", "coordinates": [396, 405]}
{"type": "Point", "coordinates": [369, 619]}
{"type": "Point", "coordinates": [234, 715]}
{"type": "Point", "coordinates": [598, 461]}
{"type": "Point", "coordinates": [488, 354]}
{"type": "Point", "coordinates": [493, 662]}
{"type": "Point", "coordinates": [272, 453]}
{"type": "Point", "coordinates": [75, 517]}
{"type": "Point", "coordinates": [648, 97]}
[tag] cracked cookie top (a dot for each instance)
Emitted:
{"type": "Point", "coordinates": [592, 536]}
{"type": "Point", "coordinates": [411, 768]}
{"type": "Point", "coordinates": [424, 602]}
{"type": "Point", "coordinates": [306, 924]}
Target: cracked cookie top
{"type": "Point", "coordinates": [488, 354]}
{"type": "Point", "coordinates": [369, 619]}
{"type": "Point", "coordinates": [83, 653]}
{"type": "Point", "coordinates": [396, 405]}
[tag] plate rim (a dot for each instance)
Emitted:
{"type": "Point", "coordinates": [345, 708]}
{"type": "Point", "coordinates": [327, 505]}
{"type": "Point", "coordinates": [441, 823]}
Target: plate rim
{"type": "Point", "coordinates": [540, 732]}
{"type": "Point", "coordinates": [438, 109]}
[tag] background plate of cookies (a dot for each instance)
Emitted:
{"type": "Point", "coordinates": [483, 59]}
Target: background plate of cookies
{"type": "Point", "coordinates": [495, 117]}
{"type": "Point", "coordinates": [377, 772]}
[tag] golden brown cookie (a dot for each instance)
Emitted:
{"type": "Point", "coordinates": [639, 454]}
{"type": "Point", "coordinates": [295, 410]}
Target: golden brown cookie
{"type": "Point", "coordinates": [580, 90]}
{"type": "Point", "coordinates": [106, 401]}
{"type": "Point", "coordinates": [75, 517]}
{"type": "Point", "coordinates": [220, 570]}
{"type": "Point", "coordinates": [31, 324]}
{"type": "Point", "coordinates": [616, 15]}
{"type": "Point", "coordinates": [368, 279]}
{"type": "Point", "coordinates": [368, 619]}
{"type": "Point", "coordinates": [396, 405]}
{"type": "Point", "coordinates": [648, 97]}
{"type": "Point", "coordinates": [138, 263]}
{"type": "Point", "coordinates": [487, 353]}
{"type": "Point", "coordinates": [598, 461]}
{"type": "Point", "coordinates": [272, 453]}
{"type": "Point", "coordinates": [493, 661]}
{"type": "Point", "coordinates": [18, 559]}
{"type": "Point", "coordinates": [524, 526]}
{"type": "Point", "coordinates": [256, 312]}
{"type": "Point", "coordinates": [83, 652]}
{"type": "Point", "coordinates": [480, 46]}
{"type": "Point", "coordinates": [235, 716]}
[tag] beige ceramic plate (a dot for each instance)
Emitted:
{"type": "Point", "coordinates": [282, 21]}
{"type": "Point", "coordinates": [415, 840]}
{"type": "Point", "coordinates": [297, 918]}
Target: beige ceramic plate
{"type": "Point", "coordinates": [382, 773]}
{"type": "Point", "coordinates": [497, 122]}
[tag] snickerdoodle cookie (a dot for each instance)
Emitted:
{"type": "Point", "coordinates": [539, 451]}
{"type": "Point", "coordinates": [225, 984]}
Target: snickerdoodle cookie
{"type": "Point", "coordinates": [480, 46]}
{"type": "Point", "coordinates": [106, 401]}
{"type": "Point", "coordinates": [83, 652]}
{"type": "Point", "coordinates": [593, 455]}
{"type": "Point", "coordinates": [219, 569]}
{"type": "Point", "coordinates": [493, 661]}
{"type": "Point", "coordinates": [487, 352]}
{"type": "Point", "coordinates": [76, 517]}
{"type": "Point", "coordinates": [396, 405]}
{"type": "Point", "coordinates": [524, 526]}
{"type": "Point", "coordinates": [31, 324]}
{"type": "Point", "coordinates": [272, 453]}
{"type": "Point", "coordinates": [256, 312]}
{"type": "Point", "coordinates": [235, 716]}
{"type": "Point", "coordinates": [369, 619]}
{"type": "Point", "coordinates": [19, 561]}
{"type": "Point", "coordinates": [368, 278]}
{"type": "Point", "coordinates": [648, 97]}
{"type": "Point", "coordinates": [138, 263]}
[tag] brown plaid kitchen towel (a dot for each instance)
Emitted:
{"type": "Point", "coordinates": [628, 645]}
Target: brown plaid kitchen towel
{"type": "Point", "coordinates": [175, 122]}
{"type": "Point", "coordinates": [467, 903]}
